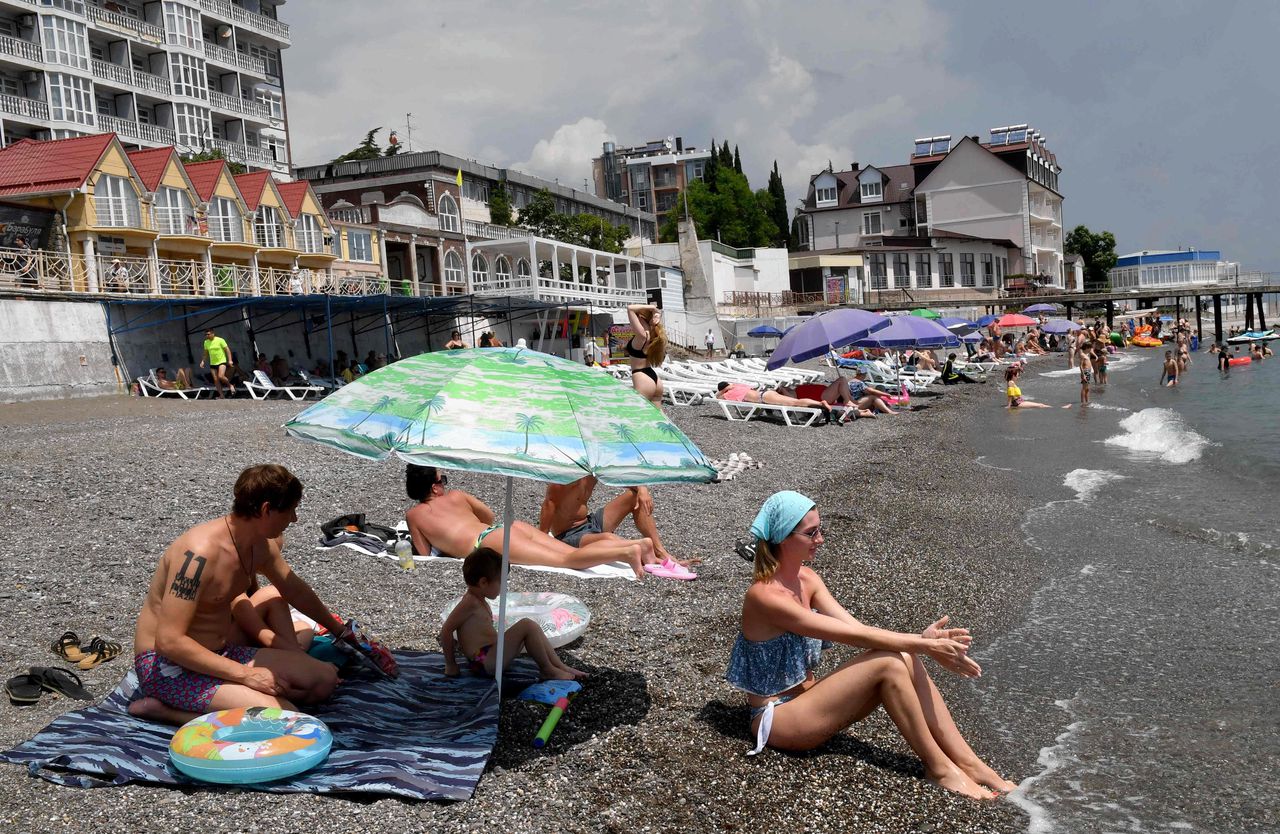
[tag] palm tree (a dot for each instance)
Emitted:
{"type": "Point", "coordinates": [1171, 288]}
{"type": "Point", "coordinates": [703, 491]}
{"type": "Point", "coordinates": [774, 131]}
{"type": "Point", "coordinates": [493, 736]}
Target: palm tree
{"type": "Point", "coordinates": [528, 422]}
{"type": "Point", "coordinates": [627, 435]}
{"type": "Point", "coordinates": [382, 403]}
{"type": "Point", "coordinates": [673, 433]}
{"type": "Point", "coordinates": [430, 407]}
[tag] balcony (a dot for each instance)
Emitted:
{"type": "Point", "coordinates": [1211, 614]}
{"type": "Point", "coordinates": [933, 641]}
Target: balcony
{"type": "Point", "coordinates": [261, 24]}
{"type": "Point", "coordinates": [235, 104]}
{"type": "Point", "coordinates": [151, 134]}
{"type": "Point", "coordinates": [1043, 211]}
{"type": "Point", "coordinates": [245, 154]}
{"type": "Point", "coordinates": [28, 108]}
{"type": "Point", "coordinates": [476, 228]}
{"type": "Point", "coordinates": [108, 71]}
{"type": "Point", "coordinates": [116, 22]}
{"type": "Point", "coordinates": [556, 291]}
{"type": "Point", "coordinates": [18, 48]}
{"type": "Point", "coordinates": [232, 58]}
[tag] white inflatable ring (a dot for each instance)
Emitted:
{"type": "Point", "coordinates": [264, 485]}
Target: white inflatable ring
{"type": "Point", "coordinates": [561, 617]}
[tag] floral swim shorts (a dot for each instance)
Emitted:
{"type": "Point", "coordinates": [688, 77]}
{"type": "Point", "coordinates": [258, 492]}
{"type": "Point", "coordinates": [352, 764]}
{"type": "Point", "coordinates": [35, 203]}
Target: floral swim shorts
{"type": "Point", "coordinates": [179, 687]}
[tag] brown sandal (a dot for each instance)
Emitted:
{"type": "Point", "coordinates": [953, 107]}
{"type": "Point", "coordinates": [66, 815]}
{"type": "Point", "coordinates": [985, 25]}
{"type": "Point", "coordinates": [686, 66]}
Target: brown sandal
{"type": "Point", "coordinates": [68, 647]}
{"type": "Point", "coordinates": [100, 651]}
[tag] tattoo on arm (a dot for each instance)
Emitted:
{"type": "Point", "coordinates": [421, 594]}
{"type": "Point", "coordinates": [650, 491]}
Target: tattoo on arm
{"type": "Point", "coordinates": [184, 586]}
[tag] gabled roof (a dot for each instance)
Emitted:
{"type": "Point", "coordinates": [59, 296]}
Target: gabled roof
{"type": "Point", "coordinates": [204, 176]}
{"type": "Point", "coordinates": [150, 164]}
{"type": "Point", "coordinates": [899, 185]}
{"type": "Point", "coordinates": [251, 186]}
{"type": "Point", "coordinates": [30, 167]}
{"type": "Point", "coordinates": [292, 194]}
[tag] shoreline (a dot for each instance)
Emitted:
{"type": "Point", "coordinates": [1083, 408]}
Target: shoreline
{"type": "Point", "coordinates": [917, 529]}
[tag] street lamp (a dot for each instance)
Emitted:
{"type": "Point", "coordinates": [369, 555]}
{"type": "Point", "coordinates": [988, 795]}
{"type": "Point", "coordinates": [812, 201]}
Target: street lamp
{"type": "Point", "coordinates": [837, 234]}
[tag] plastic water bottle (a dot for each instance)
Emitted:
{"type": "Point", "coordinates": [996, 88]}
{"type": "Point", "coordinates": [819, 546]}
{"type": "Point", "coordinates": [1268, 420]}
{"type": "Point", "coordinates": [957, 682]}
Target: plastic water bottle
{"type": "Point", "coordinates": [404, 553]}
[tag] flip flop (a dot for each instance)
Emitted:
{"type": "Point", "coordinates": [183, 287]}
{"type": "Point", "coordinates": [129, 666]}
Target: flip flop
{"type": "Point", "coordinates": [100, 651]}
{"type": "Point", "coordinates": [60, 681]}
{"type": "Point", "coordinates": [23, 690]}
{"type": "Point", "coordinates": [67, 647]}
{"type": "Point", "coordinates": [670, 569]}
{"type": "Point", "coordinates": [745, 550]}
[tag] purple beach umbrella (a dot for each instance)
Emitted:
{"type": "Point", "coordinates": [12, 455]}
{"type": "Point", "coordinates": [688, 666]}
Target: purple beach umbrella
{"type": "Point", "coordinates": [1041, 308]}
{"type": "Point", "coordinates": [910, 331]}
{"type": "Point", "coordinates": [823, 332]}
{"type": "Point", "coordinates": [1059, 326]}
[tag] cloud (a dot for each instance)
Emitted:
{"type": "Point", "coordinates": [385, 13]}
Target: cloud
{"type": "Point", "coordinates": [567, 155]}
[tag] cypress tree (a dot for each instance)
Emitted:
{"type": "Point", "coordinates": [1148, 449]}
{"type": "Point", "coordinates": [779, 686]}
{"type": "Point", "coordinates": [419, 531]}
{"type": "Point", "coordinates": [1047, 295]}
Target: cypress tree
{"type": "Point", "coordinates": [779, 207]}
{"type": "Point", "coordinates": [737, 160]}
{"type": "Point", "coordinates": [710, 170]}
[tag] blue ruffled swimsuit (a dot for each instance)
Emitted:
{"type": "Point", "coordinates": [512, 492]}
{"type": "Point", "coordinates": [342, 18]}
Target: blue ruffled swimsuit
{"type": "Point", "coordinates": [766, 667]}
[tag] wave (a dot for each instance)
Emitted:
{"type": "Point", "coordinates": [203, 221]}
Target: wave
{"type": "Point", "coordinates": [1052, 758]}
{"type": "Point", "coordinates": [1230, 541]}
{"type": "Point", "coordinates": [1159, 433]}
{"type": "Point", "coordinates": [1087, 482]}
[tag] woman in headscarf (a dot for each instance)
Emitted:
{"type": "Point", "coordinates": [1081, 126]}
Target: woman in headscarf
{"type": "Point", "coordinates": [789, 617]}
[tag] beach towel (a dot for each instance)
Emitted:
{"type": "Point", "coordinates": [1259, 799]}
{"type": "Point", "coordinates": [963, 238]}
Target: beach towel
{"type": "Point", "coordinates": [734, 465]}
{"type": "Point", "coordinates": [610, 570]}
{"type": "Point", "coordinates": [421, 736]}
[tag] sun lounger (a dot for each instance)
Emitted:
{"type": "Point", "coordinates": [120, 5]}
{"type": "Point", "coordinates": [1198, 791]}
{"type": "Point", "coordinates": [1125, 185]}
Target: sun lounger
{"type": "Point", "coordinates": [150, 387]}
{"type": "Point", "coordinates": [802, 374]}
{"type": "Point", "coordinates": [317, 381]}
{"type": "Point", "coordinates": [791, 415]}
{"type": "Point", "coordinates": [265, 387]}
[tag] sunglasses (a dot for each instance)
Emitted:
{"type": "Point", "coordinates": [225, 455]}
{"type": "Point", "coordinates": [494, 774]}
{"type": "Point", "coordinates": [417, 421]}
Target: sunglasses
{"type": "Point", "coordinates": [810, 534]}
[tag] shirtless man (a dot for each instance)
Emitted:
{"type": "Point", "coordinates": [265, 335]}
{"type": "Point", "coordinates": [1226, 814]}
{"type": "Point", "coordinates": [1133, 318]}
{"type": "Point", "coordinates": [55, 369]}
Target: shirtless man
{"type": "Point", "coordinates": [450, 522]}
{"type": "Point", "coordinates": [565, 515]}
{"type": "Point", "coordinates": [1169, 373]}
{"type": "Point", "coordinates": [185, 664]}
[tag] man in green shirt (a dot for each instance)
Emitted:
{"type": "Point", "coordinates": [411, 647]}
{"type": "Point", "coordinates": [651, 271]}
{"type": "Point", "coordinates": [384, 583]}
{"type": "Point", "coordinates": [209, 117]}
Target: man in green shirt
{"type": "Point", "coordinates": [218, 354]}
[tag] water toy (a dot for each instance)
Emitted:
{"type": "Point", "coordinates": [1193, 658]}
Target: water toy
{"type": "Point", "coordinates": [557, 694]}
{"type": "Point", "coordinates": [561, 617]}
{"type": "Point", "coordinates": [249, 745]}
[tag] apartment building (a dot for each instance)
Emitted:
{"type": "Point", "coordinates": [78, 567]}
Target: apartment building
{"type": "Point", "coordinates": [1170, 269]}
{"type": "Point", "coordinates": [649, 177]}
{"type": "Point", "coordinates": [956, 220]}
{"type": "Point", "coordinates": [198, 75]}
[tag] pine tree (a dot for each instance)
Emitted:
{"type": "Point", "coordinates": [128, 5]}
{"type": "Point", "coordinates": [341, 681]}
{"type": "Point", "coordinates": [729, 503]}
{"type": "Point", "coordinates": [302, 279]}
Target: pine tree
{"type": "Point", "coordinates": [737, 160]}
{"type": "Point", "coordinates": [709, 170]}
{"type": "Point", "coordinates": [778, 212]}
{"type": "Point", "coordinates": [368, 149]}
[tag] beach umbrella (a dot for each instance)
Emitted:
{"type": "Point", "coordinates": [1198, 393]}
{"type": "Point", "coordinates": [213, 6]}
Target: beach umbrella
{"type": "Point", "coordinates": [956, 324]}
{"type": "Point", "coordinates": [1060, 326]}
{"type": "Point", "coordinates": [505, 411]}
{"type": "Point", "coordinates": [823, 332]}
{"type": "Point", "coordinates": [1041, 308]}
{"type": "Point", "coordinates": [1015, 320]}
{"type": "Point", "coordinates": [764, 331]}
{"type": "Point", "coordinates": [910, 331]}
{"type": "Point", "coordinates": [986, 320]}
{"type": "Point", "coordinates": [925, 313]}
{"type": "Point", "coordinates": [971, 337]}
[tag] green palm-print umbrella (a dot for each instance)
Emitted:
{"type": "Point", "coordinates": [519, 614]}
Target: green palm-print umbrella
{"type": "Point", "coordinates": [925, 313]}
{"type": "Point", "coordinates": [506, 411]}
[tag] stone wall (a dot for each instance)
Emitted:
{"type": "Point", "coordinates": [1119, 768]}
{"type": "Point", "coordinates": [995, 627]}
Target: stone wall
{"type": "Point", "coordinates": [53, 349]}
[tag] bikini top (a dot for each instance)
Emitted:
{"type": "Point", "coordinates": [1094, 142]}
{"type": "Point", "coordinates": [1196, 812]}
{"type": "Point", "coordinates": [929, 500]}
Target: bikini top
{"type": "Point", "coordinates": [631, 350]}
{"type": "Point", "coordinates": [768, 667]}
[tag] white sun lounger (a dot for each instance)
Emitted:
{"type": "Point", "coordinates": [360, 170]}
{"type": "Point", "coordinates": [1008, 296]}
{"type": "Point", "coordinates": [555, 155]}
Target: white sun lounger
{"type": "Point", "coordinates": [265, 387]}
{"type": "Point", "coordinates": [150, 387]}
{"type": "Point", "coordinates": [791, 415]}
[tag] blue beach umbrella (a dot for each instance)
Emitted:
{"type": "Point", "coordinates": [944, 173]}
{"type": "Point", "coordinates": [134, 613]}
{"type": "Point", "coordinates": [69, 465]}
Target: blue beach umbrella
{"type": "Point", "coordinates": [985, 320]}
{"type": "Point", "coordinates": [956, 324]}
{"type": "Point", "coordinates": [823, 332]}
{"type": "Point", "coordinates": [764, 331]}
{"type": "Point", "coordinates": [910, 331]}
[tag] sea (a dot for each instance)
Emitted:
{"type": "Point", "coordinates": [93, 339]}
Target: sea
{"type": "Point", "coordinates": [1143, 684]}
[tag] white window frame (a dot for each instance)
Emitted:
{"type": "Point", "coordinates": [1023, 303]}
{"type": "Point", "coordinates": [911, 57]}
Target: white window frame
{"type": "Point", "coordinates": [268, 228]}
{"type": "Point", "coordinates": [453, 272]}
{"type": "Point", "coordinates": [825, 196]}
{"type": "Point", "coordinates": [188, 76]}
{"type": "Point", "coordinates": [309, 234]}
{"type": "Point", "coordinates": [924, 270]}
{"type": "Point", "coordinates": [226, 221]}
{"type": "Point", "coordinates": [71, 98]}
{"type": "Point", "coordinates": [523, 271]}
{"type": "Point", "coordinates": [66, 42]}
{"type": "Point", "coordinates": [359, 245]}
{"type": "Point", "coordinates": [867, 224]}
{"type": "Point", "coordinates": [115, 202]}
{"type": "Point", "coordinates": [479, 269]}
{"type": "Point", "coordinates": [969, 276]}
{"type": "Point", "coordinates": [502, 271]}
{"type": "Point", "coordinates": [873, 190]}
{"type": "Point", "coordinates": [182, 26]}
{"type": "Point", "coordinates": [191, 124]}
{"type": "Point", "coordinates": [447, 211]}
{"type": "Point", "coordinates": [272, 100]}
{"type": "Point", "coordinates": [172, 208]}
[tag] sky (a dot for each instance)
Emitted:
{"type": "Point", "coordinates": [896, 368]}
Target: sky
{"type": "Point", "coordinates": [1164, 116]}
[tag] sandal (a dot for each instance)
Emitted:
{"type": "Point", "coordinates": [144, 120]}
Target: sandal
{"type": "Point", "coordinates": [23, 690]}
{"type": "Point", "coordinates": [100, 651]}
{"type": "Point", "coordinates": [60, 681]}
{"type": "Point", "coordinates": [67, 647]}
{"type": "Point", "coordinates": [746, 550]}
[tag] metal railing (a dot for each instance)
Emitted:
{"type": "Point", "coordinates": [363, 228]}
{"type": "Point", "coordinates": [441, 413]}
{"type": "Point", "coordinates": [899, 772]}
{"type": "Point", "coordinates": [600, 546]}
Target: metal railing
{"type": "Point", "coordinates": [116, 20]}
{"type": "Point", "coordinates": [236, 104]}
{"type": "Point", "coordinates": [138, 130]}
{"type": "Point", "coordinates": [476, 228]}
{"type": "Point", "coordinates": [247, 154]}
{"type": "Point", "coordinates": [550, 289]}
{"type": "Point", "coordinates": [152, 83]}
{"type": "Point", "coordinates": [29, 108]}
{"type": "Point", "coordinates": [108, 71]}
{"type": "Point", "coordinates": [19, 48]}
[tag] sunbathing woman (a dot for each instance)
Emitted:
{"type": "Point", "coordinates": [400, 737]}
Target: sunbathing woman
{"type": "Point", "coordinates": [646, 350]}
{"type": "Point", "coordinates": [450, 522]}
{"type": "Point", "coordinates": [834, 393]}
{"type": "Point", "coordinates": [738, 392]}
{"type": "Point", "coordinates": [789, 616]}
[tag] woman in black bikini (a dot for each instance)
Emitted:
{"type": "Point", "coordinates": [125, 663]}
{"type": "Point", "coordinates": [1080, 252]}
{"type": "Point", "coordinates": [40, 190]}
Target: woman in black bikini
{"type": "Point", "coordinates": [646, 350]}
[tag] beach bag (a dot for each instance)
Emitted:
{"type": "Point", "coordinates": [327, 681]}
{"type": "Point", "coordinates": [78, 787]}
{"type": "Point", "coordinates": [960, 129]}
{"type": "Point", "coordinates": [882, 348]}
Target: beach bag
{"type": "Point", "coordinates": [356, 523]}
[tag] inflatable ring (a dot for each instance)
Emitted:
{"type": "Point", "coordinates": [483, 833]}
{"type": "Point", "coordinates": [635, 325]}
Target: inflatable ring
{"type": "Point", "coordinates": [1240, 360]}
{"type": "Point", "coordinates": [561, 617]}
{"type": "Point", "coordinates": [249, 745]}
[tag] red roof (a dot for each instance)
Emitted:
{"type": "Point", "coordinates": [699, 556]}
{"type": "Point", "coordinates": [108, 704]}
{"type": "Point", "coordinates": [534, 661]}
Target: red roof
{"type": "Point", "coordinates": [204, 176]}
{"type": "Point", "coordinates": [251, 186]}
{"type": "Point", "coordinates": [29, 167]}
{"type": "Point", "coordinates": [150, 164]}
{"type": "Point", "coordinates": [292, 193]}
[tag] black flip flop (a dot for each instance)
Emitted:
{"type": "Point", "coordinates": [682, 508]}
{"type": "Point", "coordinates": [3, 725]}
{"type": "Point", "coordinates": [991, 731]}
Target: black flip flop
{"type": "Point", "coordinates": [61, 681]}
{"type": "Point", "coordinates": [745, 550]}
{"type": "Point", "coordinates": [23, 690]}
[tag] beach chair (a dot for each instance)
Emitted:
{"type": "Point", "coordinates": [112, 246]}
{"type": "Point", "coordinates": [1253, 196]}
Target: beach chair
{"type": "Point", "coordinates": [317, 381]}
{"type": "Point", "coordinates": [265, 387]}
{"type": "Point", "coordinates": [794, 416]}
{"type": "Point", "coordinates": [151, 388]}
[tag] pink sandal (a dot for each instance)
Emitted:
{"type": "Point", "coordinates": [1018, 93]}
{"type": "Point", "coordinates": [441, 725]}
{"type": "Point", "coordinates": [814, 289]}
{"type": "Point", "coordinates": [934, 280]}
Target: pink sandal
{"type": "Point", "coordinates": [670, 569]}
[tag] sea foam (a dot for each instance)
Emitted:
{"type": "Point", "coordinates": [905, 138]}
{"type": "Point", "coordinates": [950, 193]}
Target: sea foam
{"type": "Point", "coordinates": [1087, 482]}
{"type": "Point", "coordinates": [1159, 433]}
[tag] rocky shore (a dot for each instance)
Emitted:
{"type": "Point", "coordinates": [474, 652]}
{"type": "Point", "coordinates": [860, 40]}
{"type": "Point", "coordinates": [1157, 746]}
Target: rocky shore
{"type": "Point", "coordinates": [94, 490]}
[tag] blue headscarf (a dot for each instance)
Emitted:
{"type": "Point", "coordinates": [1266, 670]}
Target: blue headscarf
{"type": "Point", "coordinates": [780, 515]}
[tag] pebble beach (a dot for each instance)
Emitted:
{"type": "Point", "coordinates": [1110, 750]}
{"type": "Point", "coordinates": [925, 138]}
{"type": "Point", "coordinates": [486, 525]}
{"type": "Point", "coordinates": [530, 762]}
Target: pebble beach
{"type": "Point", "coordinates": [95, 489]}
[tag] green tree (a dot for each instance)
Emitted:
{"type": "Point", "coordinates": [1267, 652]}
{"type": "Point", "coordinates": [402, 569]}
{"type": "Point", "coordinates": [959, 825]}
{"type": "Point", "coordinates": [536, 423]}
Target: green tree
{"type": "Point", "coordinates": [368, 149]}
{"type": "Point", "coordinates": [210, 155]}
{"type": "Point", "coordinates": [541, 218]}
{"type": "Point", "coordinates": [730, 212]}
{"type": "Point", "coordinates": [499, 205]}
{"type": "Point", "coordinates": [1097, 250]}
{"type": "Point", "coordinates": [528, 422]}
{"type": "Point", "coordinates": [711, 168]}
{"type": "Point", "coordinates": [726, 155]}
{"type": "Point", "coordinates": [778, 211]}
{"type": "Point", "coordinates": [737, 160]}
{"type": "Point", "coordinates": [537, 216]}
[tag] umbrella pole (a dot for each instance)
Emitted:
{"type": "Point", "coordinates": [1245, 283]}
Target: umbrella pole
{"type": "Point", "coordinates": [508, 518]}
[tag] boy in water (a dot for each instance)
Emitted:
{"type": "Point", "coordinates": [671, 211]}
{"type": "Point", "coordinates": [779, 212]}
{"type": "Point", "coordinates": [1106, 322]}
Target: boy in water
{"type": "Point", "coordinates": [472, 620]}
{"type": "Point", "coordinates": [1086, 376]}
{"type": "Point", "coordinates": [1169, 375]}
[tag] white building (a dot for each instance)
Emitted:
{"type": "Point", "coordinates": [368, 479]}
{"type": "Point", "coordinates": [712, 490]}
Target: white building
{"type": "Point", "coordinates": [201, 75]}
{"type": "Point", "coordinates": [1163, 269]}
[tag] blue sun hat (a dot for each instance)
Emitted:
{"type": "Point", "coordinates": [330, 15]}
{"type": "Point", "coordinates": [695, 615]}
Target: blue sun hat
{"type": "Point", "coordinates": [780, 515]}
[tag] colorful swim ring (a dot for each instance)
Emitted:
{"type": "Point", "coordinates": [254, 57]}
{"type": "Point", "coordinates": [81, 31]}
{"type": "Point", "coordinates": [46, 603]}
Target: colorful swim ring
{"type": "Point", "coordinates": [249, 745]}
{"type": "Point", "coordinates": [561, 617]}
{"type": "Point", "coordinates": [1240, 360]}
{"type": "Point", "coordinates": [1146, 341]}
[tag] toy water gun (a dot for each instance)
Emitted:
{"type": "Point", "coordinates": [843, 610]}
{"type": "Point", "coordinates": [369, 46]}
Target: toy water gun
{"type": "Point", "coordinates": [557, 694]}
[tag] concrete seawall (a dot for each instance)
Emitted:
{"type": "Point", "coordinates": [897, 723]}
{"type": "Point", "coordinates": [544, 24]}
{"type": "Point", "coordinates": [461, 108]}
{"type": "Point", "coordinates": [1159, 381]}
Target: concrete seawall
{"type": "Point", "coordinates": [54, 349]}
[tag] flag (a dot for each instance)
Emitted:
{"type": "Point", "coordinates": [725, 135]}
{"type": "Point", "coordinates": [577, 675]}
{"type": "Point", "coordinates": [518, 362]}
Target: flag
{"type": "Point", "coordinates": [459, 177]}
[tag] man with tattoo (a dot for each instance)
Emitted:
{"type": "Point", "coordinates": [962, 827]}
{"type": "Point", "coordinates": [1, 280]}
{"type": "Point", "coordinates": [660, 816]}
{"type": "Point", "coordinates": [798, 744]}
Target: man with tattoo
{"type": "Point", "coordinates": [186, 666]}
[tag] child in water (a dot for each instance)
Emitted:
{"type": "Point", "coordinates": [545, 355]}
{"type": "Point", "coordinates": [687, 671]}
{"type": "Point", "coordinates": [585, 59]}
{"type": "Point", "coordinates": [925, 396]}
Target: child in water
{"type": "Point", "coordinates": [472, 621]}
{"type": "Point", "coordinates": [1169, 376]}
{"type": "Point", "coordinates": [1014, 393]}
